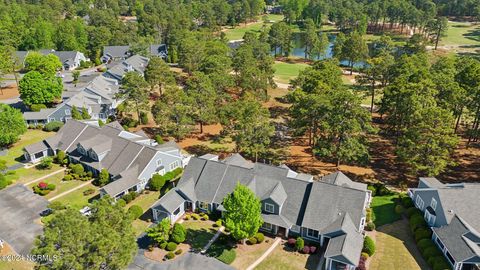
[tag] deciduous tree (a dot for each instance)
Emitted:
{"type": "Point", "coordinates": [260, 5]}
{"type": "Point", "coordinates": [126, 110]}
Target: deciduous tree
{"type": "Point", "coordinates": [12, 125]}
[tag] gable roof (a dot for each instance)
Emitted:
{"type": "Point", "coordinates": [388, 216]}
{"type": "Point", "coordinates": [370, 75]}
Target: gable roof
{"type": "Point", "coordinates": [345, 248]}
{"type": "Point", "coordinates": [117, 51]}
{"type": "Point", "coordinates": [340, 179]}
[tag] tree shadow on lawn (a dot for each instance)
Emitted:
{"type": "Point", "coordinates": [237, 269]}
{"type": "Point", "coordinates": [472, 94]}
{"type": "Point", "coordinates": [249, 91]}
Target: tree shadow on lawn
{"type": "Point", "coordinates": [400, 231]}
{"type": "Point", "coordinates": [384, 211]}
{"type": "Point", "coordinates": [223, 242]}
{"type": "Point", "coordinates": [199, 238]}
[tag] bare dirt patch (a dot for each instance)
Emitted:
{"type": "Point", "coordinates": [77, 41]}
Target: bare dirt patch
{"type": "Point", "coordinates": [9, 92]}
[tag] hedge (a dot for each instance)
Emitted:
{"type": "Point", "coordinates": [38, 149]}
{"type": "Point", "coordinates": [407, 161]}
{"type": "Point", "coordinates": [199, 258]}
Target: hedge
{"type": "Point", "coordinates": [170, 255]}
{"type": "Point", "coordinates": [424, 244]}
{"type": "Point", "coordinates": [260, 237]}
{"type": "Point", "coordinates": [412, 210]}
{"type": "Point", "coordinates": [53, 126]}
{"type": "Point", "coordinates": [135, 211]}
{"type": "Point", "coordinates": [171, 246]}
{"type": "Point", "coordinates": [422, 233]}
{"type": "Point", "coordinates": [368, 246]}
{"type": "Point", "coordinates": [431, 252]}
{"type": "Point", "coordinates": [227, 256]}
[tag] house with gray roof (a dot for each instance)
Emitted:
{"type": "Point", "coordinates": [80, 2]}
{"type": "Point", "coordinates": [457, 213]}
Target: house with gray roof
{"type": "Point", "coordinates": [134, 63]}
{"type": "Point", "coordinates": [130, 158]}
{"type": "Point", "coordinates": [117, 53]}
{"type": "Point", "coordinates": [331, 213]}
{"type": "Point", "coordinates": [451, 210]}
{"type": "Point", "coordinates": [70, 59]}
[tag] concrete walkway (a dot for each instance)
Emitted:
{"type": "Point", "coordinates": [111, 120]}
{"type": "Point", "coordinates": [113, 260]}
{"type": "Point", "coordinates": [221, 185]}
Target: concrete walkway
{"type": "Point", "coordinates": [44, 177]}
{"type": "Point", "coordinates": [265, 255]}
{"type": "Point", "coordinates": [214, 238]}
{"type": "Point", "coordinates": [69, 191]}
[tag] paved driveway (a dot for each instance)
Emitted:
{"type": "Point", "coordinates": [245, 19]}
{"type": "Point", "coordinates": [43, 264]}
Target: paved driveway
{"type": "Point", "coordinates": [19, 207]}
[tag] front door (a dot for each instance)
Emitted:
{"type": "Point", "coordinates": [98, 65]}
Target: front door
{"type": "Point", "coordinates": [188, 206]}
{"type": "Point", "coordinates": [281, 232]}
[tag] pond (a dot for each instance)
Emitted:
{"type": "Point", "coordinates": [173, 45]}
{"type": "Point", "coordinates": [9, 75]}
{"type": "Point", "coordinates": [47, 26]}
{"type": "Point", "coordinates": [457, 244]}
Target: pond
{"type": "Point", "coordinates": [298, 49]}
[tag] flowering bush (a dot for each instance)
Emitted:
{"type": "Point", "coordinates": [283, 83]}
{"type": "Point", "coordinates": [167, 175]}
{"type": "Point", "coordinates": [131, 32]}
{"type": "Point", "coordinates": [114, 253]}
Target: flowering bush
{"type": "Point", "coordinates": [291, 242]}
{"type": "Point", "coordinates": [306, 250]}
{"type": "Point", "coordinates": [42, 185]}
{"type": "Point", "coordinates": [313, 249]}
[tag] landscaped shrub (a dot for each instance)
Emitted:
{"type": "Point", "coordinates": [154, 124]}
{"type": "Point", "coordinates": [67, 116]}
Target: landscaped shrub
{"type": "Point", "coordinates": [205, 217]}
{"type": "Point", "coordinates": [77, 169]}
{"type": "Point", "coordinates": [4, 182]}
{"type": "Point", "coordinates": [219, 223]}
{"type": "Point", "coordinates": [159, 139]}
{"type": "Point", "coordinates": [179, 233]}
{"type": "Point", "coordinates": [170, 255]}
{"type": "Point", "coordinates": [252, 241]}
{"type": "Point", "coordinates": [37, 107]}
{"type": "Point", "coordinates": [121, 202]}
{"type": "Point", "coordinates": [365, 255]}
{"type": "Point", "coordinates": [411, 211]}
{"type": "Point", "coordinates": [417, 222]}
{"type": "Point", "coordinates": [187, 217]}
{"type": "Point", "coordinates": [143, 118]}
{"type": "Point", "coordinates": [157, 182]}
{"type": "Point", "coordinates": [195, 216]}
{"type": "Point", "coordinates": [45, 163]}
{"type": "Point", "coordinates": [306, 250]}
{"type": "Point", "coordinates": [291, 242]}
{"type": "Point", "coordinates": [227, 256]}
{"type": "Point", "coordinates": [373, 190]}
{"type": "Point", "coordinates": [299, 244]}
{"type": "Point", "coordinates": [422, 233]}
{"type": "Point", "coordinates": [407, 202]}
{"type": "Point", "coordinates": [431, 252]}
{"type": "Point", "coordinates": [43, 188]}
{"type": "Point", "coordinates": [163, 245]}
{"type": "Point", "coordinates": [370, 226]}
{"type": "Point", "coordinates": [171, 246]}
{"type": "Point", "coordinates": [51, 186]}
{"type": "Point", "coordinates": [423, 244]}
{"type": "Point", "coordinates": [260, 237]}
{"type": "Point", "coordinates": [369, 215]}
{"type": "Point", "coordinates": [399, 209]}
{"type": "Point", "coordinates": [89, 191]}
{"type": "Point", "coordinates": [440, 263]}
{"type": "Point", "coordinates": [135, 211]}
{"type": "Point", "coordinates": [67, 177]}
{"type": "Point", "coordinates": [178, 251]}
{"type": "Point", "coordinates": [368, 246]}
{"type": "Point", "coordinates": [313, 249]}
{"type": "Point", "coordinates": [53, 126]}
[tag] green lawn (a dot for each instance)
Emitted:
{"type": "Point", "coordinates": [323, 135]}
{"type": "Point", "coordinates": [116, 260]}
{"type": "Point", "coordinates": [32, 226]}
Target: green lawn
{"type": "Point", "coordinates": [461, 33]}
{"type": "Point", "coordinates": [15, 152]}
{"type": "Point", "coordinates": [239, 31]}
{"type": "Point", "coordinates": [199, 232]}
{"type": "Point", "coordinates": [284, 72]}
{"type": "Point", "coordinates": [61, 186]}
{"type": "Point", "coordinates": [384, 209]}
{"type": "Point", "coordinates": [144, 201]}
{"type": "Point", "coordinates": [396, 248]}
{"type": "Point", "coordinates": [76, 199]}
{"type": "Point", "coordinates": [283, 258]}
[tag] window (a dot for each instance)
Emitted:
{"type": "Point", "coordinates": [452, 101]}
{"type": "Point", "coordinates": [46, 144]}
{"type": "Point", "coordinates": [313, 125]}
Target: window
{"type": "Point", "coordinates": [295, 228]}
{"type": "Point", "coordinates": [174, 165]}
{"type": "Point", "coordinates": [67, 112]}
{"type": "Point", "coordinates": [176, 211]}
{"type": "Point", "coordinates": [38, 155]}
{"type": "Point", "coordinates": [270, 208]}
{"type": "Point", "coordinates": [450, 258]}
{"type": "Point", "coordinates": [266, 226]}
{"type": "Point", "coordinates": [440, 244]}
{"type": "Point", "coordinates": [419, 202]}
{"type": "Point", "coordinates": [81, 150]}
{"type": "Point", "coordinates": [312, 233]}
{"type": "Point", "coordinates": [203, 205]}
{"type": "Point", "coordinates": [50, 119]}
{"type": "Point", "coordinates": [159, 162]}
{"type": "Point", "coordinates": [433, 204]}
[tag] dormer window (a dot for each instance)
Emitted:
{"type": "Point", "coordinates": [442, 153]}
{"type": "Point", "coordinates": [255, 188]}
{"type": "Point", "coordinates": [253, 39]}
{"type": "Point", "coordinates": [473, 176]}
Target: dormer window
{"type": "Point", "coordinates": [269, 208]}
{"type": "Point", "coordinates": [93, 155]}
{"type": "Point", "coordinates": [159, 162]}
{"type": "Point", "coordinates": [81, 150]}
{"type": "Point", "coordinates": [433, 204]}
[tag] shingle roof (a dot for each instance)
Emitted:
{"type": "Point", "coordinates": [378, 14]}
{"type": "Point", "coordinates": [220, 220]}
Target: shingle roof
{"type": "Point", "coordinates": [134, 63]}
{"type": "Point", "coordinates": [452, 236]}
{"type": "Point", "coordinates": [277, 194]}
{"type": "Point", "coordinates": [461, 201]}
{"type": "Point", "coordinates": [116, 51]}
{"type": "Point", "coordinates": [36, 147]}
{"type": "Point", "coordinates": [40, 115]}
{"type": "Point", "coordinates": [170, 201]}
{"type": "Point", "coordinates": [128, 179]}
{"type": "Point", "coordinates": [345, 248]}
{"type": "Point", "coordinates": [340, 179]}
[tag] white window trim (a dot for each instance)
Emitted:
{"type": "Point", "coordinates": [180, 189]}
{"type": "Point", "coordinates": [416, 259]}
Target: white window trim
{"type": "Point", "coordinates": [267, 226]}
{"type": "Point", "coordinates": [295, 228]}
{"type": "Point", "coordinates": [273, 208]}
{"type": "Point", "coordinates": [200, 205]}
{"type": "Point", "coordinates": [312, 236]}
{"type": "Point", "coordinates": [433, 204]}
{"type": "Point", "coordinates": [419, 202]}
{"type": "Point", "coordinates": [67, 112]}
{"type": "Point", "coordinates": [159, 162]}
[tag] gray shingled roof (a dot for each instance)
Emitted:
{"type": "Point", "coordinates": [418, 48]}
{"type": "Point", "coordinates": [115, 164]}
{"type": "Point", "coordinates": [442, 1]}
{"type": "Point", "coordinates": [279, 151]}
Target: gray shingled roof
{"type": "Point", "coordinates": [451, 236]}
{"type": "Point", "coordinates": [238, 160]}
{"type": "Point", "coordinates": [340, 179]}
{"type": "Point", "coordinates": [345, 248]}
{"type": "Point", "coordinates": [40, 115]}
{"type": "Point", "coordinates": [134, 63]}
{"type": "Point", "coordinates": [170, 201]}
{"type": "Point", "coordinates": [461, 201]}
{"type": "Point", "coordinates": [128, 179]}
{"type": "Point", "coordinates": [117, 51]}
{"type": "Point", "coordinates": [36, 147]}
{"type": "Point", "coordinates": [277, 194]}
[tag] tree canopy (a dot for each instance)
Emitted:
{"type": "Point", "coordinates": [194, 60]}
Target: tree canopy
{"type": "Point", "coordinates": [12, 125]}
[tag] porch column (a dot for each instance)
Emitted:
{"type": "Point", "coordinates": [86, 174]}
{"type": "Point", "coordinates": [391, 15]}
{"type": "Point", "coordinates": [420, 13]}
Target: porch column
{"type": "Point", "coordinates": [328, 264]}
{"type": "Point", "coordinates": [321, 240]}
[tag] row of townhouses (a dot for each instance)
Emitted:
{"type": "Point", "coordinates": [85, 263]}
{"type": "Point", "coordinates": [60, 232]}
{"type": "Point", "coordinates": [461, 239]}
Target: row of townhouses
{"type": "Point", "coordinates": [98, 96]}
{"type": "Point", "coordinates": [130, 158]}
{"type": "Point", "coordinates": [70, 59]}
{"type": "Point", "coordinates": [330, 212]}
{"type": "Point", "coordinates": [452, 212]}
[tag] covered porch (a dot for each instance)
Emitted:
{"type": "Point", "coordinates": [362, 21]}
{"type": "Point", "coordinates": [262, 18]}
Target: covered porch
{"type": "Point", "coordinates": [331, 264]}
{"type": "Point", "coordinates": [35, 152]}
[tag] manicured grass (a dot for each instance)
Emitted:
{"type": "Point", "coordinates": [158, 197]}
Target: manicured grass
{"type": "Point", "coordinates": [461, 33]}
{"type": "Point", "coordinates": [384, 209]}
{"type": "Point", "coordinates": [199, 232]}
{"type": "Point", "coordinates": [25, 175]}
{"type": "Point", "coordinates": [145, 200]}
{"type": "Point", "coordinates": [15, 152]}
{"type": "Point", "coordinates": [248, 254]}
{"type": "Point", "coordinates": [284, 72]}
{"type": "Point", "coordinates": [61, 186]}
{"type": "Point", "coordinates": [76, 199]}
{"type": "Point", "coordinates": [282, 258]}
{"type": "Point", "coordinates": [239, 31]}
{"type": "Point", "coordinates": [396, 248]}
